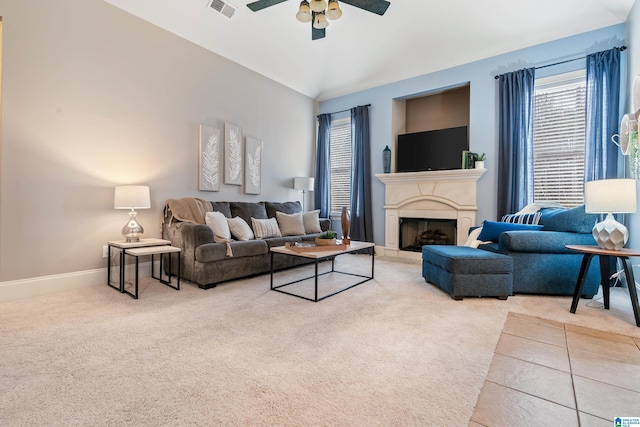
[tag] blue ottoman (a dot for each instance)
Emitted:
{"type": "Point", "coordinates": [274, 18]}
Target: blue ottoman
{"type": "Point", "coordinates": [462, 271]}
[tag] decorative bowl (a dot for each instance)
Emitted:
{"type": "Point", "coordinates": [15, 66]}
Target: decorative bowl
{"type": "Point", "coordinates": [325, 242]}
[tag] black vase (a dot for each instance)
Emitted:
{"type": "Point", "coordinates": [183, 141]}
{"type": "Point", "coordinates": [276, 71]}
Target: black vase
{"type": "Point", "coordinates": [386, 159]}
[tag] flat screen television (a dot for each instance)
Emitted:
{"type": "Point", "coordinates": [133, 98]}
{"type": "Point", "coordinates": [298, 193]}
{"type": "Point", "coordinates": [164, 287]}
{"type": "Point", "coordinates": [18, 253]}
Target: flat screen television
{"type": "Point", "coordinates": [431, 150]}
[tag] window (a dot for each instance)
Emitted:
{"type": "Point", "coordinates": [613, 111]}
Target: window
{"type": "Point", "coordinates": [340, 159]}
{"type": "Point", "coordinates": [559, 139]}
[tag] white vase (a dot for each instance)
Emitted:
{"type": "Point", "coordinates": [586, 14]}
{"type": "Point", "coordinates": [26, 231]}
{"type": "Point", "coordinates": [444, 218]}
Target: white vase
{"type": "Point", "coordinates": [479, 164]}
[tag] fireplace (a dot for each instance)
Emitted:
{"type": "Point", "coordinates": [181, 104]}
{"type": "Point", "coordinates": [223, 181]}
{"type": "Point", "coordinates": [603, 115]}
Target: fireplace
{"type": "Point", "coordinates": [416, 232]}
{"type": "Point", "coordinates": [446, 195]}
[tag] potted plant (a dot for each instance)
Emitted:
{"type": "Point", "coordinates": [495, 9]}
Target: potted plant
{"type": "Point", "coordinates": [480, 161]}
{"type": "Point", "coordinates": [328, 238]}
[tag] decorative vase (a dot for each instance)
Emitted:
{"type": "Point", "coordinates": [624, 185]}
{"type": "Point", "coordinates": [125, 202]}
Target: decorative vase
{"type": "Point", "coordinates": [479, 164]}
{"type": "Point", "coordinates": [386, 159]}
{"type": "Point", "coordinates": [345, 220]}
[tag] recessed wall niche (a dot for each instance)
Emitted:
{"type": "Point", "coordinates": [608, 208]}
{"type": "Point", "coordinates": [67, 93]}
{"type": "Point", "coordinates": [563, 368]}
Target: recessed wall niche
{"type": "Point", "coordinates": [439, 109]}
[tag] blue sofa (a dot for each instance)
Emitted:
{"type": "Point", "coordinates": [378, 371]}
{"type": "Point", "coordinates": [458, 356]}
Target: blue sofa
{"type": "Point", "coordinates": [541, 263]}
{"type": "Point", "coordinates": [538, 261]}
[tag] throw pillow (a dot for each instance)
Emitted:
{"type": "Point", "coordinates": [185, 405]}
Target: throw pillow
{"type": "Point", "coordinates": [574, 220]}
{"type": "Point", "coordinates": [218, 223]}
{"type": "Point", "coordinates": [265, 228]}
{"type": "Point", "coordinates": [491, 229]}
{"type": "Point", "coordinates": [240, 229]}
{"type": "Point", "coordinates": [290, 224]}
{"type": "Point", "coordinates": [311, 222]}
{"type": "Point", "coordinates": [532, 218]}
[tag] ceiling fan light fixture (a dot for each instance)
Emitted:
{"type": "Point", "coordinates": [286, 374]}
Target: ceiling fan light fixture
{"type": "Point", "coordinates": [334, 11]}
{"type": "Point", "coordinates": [320, 21]}
{"type": "Point", "coordinates": [318, 5]}
{"type": "Point", "coordinates": [304, 12]}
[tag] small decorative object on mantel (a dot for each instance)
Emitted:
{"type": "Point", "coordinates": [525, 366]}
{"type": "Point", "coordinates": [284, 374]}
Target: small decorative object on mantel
{"type": "Point", "coordinates": [345, 220]}
{"type": "Point", "coordinates": [479, 163]}
{"type": "Point", "coordinates": [328, 238]}
{"type": "Point", "coordinates": [386, 160]}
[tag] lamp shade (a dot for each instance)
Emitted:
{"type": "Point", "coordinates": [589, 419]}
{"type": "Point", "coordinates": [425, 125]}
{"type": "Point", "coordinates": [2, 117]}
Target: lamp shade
{"type": "Point", "coordinates": [303, 183]}
{"type": "Point", "coordinates": [610, 196]}
{"type": "Point", "coordinates": [304, 12]}
{"type": "Point", "coordinates": [132, 197]}
{"type": "Point", "coordinates": [334, 11]}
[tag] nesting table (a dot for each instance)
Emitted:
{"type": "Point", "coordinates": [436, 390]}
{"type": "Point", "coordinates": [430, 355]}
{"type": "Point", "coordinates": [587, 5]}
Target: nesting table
{"type": "Point", "coordinates": [143, 247]}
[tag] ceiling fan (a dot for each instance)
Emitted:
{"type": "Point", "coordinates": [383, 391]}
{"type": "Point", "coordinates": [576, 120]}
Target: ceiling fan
{"type": "Point", "coordinates": [317, 18]}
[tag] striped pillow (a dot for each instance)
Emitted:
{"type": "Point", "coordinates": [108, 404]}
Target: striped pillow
{"type": "Point", "coordinates": [532, 218]}
{"type": "Point", "coordinates": [265, 228]}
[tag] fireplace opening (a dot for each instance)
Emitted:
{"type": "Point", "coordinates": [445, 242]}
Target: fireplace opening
{"type": "Point", "coordinates": [417, 232]}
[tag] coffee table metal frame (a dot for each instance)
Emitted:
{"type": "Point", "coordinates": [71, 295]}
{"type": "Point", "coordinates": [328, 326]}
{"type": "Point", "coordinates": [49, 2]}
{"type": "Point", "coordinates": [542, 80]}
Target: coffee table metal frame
{"type": "Point", "coordinates": [318, 256]}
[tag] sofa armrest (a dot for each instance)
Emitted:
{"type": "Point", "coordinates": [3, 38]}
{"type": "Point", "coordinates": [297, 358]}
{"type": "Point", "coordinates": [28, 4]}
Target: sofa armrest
{"type": "Point", "coordinates": [541, 241]}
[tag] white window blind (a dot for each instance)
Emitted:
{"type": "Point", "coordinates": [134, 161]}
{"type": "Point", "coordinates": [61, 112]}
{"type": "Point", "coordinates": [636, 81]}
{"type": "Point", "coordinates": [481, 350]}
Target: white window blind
{"type": "Point", "coordinates": [559, 139]}
{"type": "Point", "coordinates": [340, 159]}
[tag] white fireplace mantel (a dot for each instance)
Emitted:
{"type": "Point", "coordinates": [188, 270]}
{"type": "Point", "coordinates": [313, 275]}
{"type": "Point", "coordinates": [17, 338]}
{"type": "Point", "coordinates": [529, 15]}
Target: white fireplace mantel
{"type": "Point", "coordinates": [442, 194]}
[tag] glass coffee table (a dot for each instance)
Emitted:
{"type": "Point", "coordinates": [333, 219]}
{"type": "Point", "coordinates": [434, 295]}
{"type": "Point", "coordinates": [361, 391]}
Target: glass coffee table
{"type": "Point", "coordinates": [317, 254]}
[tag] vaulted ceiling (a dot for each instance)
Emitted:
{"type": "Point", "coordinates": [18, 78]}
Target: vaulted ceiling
{"type": "Point", "coordinates": [363, 50]}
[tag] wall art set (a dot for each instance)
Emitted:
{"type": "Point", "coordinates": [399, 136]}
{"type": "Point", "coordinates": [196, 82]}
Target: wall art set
{"type": "Point", "coordinates": [242, 159]}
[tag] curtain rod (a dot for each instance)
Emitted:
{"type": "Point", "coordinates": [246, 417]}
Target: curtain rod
{"type": "Point", "coordinates": [622, 49]}
{"type": "Point", "coordinates": [344, 111]}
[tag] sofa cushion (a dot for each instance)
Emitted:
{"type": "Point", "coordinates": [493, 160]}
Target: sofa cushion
{"type": "Point", "coordinates": [465, 260]}
{"type": "Point", "coordinates": [218, 223]}
{"type": "Point", "coordinates": [223, 207]}
{"type": "Point", "coordinates": [248, 210]}
{"type": "Point", "coordinates": [574, 220]}
{"type": "Point", "coordinates": [284, 207]}
{"type": "Point", "coordinates": [491, 229]}
{"type": "Point", "coordinates": [240, 230]}
{"type": "Point", "coordinates": [218, 251]}
{"type": "Point", "coordinates": [290, 224]}
{"type": "Point", "coordinates": [265, 228]}
{"type": "Point", "coordinates": [311, 222]}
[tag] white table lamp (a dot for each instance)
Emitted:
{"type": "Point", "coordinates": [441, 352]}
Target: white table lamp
{"type": "Point", "coordinates": [303, 184]}
{"type": "Point", "coordinates": [132, 197]}
{"type": "Point", "coordinates": [609, 196]}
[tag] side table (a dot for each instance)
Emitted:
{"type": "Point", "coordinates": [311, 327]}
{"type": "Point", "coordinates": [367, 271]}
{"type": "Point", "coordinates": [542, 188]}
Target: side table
{"type": "Point", "coordinates": [122, 245]}
{"type": "Point", "coordinates": [605, 272]}
{"type": "Point", "coordinates": [155, 250]}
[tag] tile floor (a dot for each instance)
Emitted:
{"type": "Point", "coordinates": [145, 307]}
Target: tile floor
{"type": "Point", "coordinates": [546, 373]}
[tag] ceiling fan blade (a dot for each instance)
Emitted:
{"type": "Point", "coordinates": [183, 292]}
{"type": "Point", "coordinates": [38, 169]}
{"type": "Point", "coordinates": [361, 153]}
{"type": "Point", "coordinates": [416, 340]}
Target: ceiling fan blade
{"type": "Point", "coordinates": [379, 7]}
{"type": "Point", "coordinates": [262, 4]}
{"type": "Point", "coordinates": [316, 33]}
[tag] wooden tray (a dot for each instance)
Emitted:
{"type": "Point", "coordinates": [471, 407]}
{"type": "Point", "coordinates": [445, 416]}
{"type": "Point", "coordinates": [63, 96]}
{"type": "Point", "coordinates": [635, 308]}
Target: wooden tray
{"type": "Point", "coordinates": [311, 247]}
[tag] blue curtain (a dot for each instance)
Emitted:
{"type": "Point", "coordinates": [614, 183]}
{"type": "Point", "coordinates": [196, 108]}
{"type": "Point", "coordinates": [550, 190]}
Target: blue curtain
{"type": "Point", "coordinates": [361, 223]}
{"type": "Point", "coordinates": [602, 114]}
{"type": "Point", "coordinates": [515, 143]}
{"type": "Point", "coordinates": [323, 171]}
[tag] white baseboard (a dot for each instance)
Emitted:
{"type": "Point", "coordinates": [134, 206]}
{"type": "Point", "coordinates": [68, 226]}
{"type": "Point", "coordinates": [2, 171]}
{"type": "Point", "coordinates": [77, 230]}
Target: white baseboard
{"type": "Point", "coordinates": [44, 285]}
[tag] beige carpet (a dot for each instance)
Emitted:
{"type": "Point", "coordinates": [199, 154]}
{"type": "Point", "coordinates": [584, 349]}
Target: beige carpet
{"type": "Point", "coordinates": [392, 351]}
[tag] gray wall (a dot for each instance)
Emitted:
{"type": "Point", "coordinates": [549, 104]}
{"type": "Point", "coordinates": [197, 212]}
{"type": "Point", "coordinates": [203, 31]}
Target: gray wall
{"type": "Point", "coordinates": [94, 97]}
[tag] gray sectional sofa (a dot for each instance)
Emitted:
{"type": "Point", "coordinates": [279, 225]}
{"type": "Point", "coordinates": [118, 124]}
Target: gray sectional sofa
{"type": "Point", "coordinates": [207, 263]}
